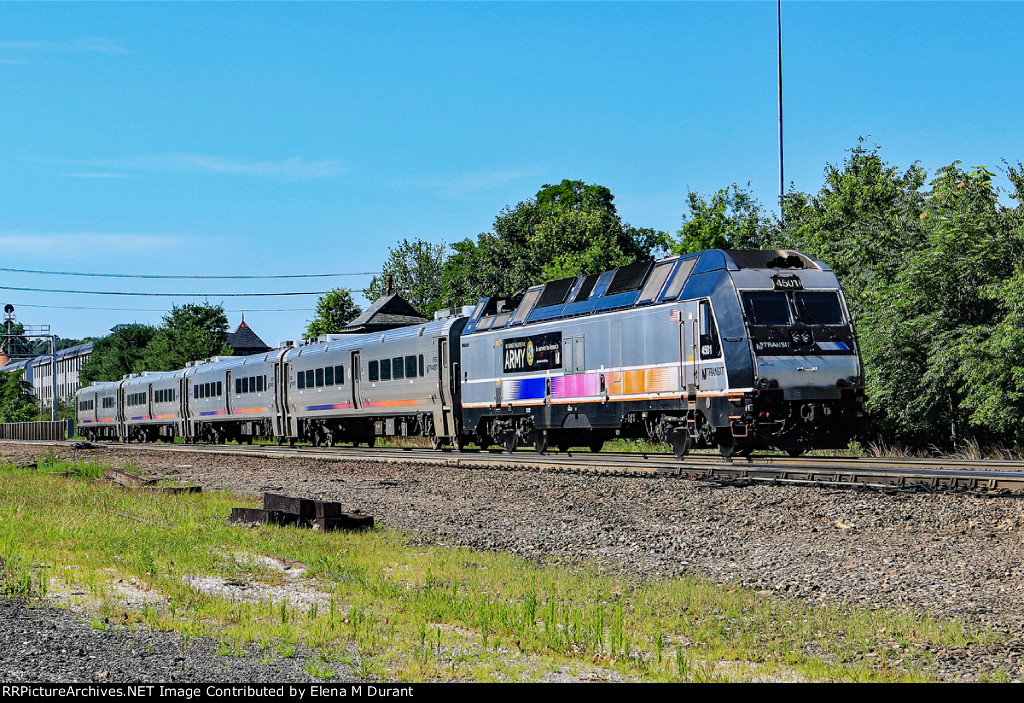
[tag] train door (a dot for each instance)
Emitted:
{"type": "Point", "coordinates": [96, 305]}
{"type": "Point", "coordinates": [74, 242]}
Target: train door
{"type": "Point", "coordinates": [280, 399]}
{"type": "Point", "coordinates": [445, 386]}
{"type": "Point", "coordinates": [183, 406]}
{"type": "Point", "coordinates": [357, 377]}
{"type": "Point", "coordinates": [227, 392]}
{"type": "Point", "coordinates": [579, 363]}
{"type": "Point", "coordinates": [689, 334]}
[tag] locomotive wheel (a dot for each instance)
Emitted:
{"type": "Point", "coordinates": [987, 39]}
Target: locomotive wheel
{"type": "Point", "coordinates": [794, 452]}
{"type": "Point", "coordinates": [727, 445]}
{"type": "Point", "coordinates": [681, 443]}
{"type": "Point", "coordinates": [436, 442]}
{"type": "Point", "coordinates": [509, 442]}
{"type": "Point", "coordinates": [484, 440]}
{"type": "Point", "coordinates": [596, 445]}
{"type": "Point", "coordinates": [564, 447]}
{"type": "Point", "coordinates": [540, 441]}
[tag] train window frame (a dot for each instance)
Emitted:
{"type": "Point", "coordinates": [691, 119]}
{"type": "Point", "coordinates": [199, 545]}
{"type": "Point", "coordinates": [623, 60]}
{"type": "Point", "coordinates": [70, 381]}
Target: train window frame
{"type": "Point", "coordinates": [656, 281]}
{"type": "Point", "coordinates": [421, 367]}
{"type": "Point", "coordinates": [318, 375]}
{"type": "Point", "coordinates": [754, 313]}
{"type": "Point", "coordinates": [238, 386]}
{"type": "Point", "coordinates": [220, 388]}
{"type": "Point", "coordinates": [374, 371]}
{"type": "Point", "coordinates": [397, 368]}
{"type": "Point", "coordinates": [800, 306]}
{"type": "Point", "coordinates": [310, 378]}
{"type": "Point", "coordinates": [709, 337]}
{"type": "Point", "coordinates": [385, 369]}
{"type": "Point", "coordinates": [339, 374]}
{"type": "Point", "coordinates": [410, 366]}
{"type": "Point", "coordinates": [245, 384]}
{"type": "Point", "coordinates": [328, 375]}
{"type": "Point", "coordinates": [678, 280]}
{"type": "Point", "coordinates": [261, 384]}
{"type": "Point", "coordinates": [300, 380]}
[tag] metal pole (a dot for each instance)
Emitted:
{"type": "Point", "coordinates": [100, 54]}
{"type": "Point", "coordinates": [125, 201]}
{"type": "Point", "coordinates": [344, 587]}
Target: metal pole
{"type": "Point", "coordinates": [53, 375]}
{"type": "Point", "coordinates": [782, 168]}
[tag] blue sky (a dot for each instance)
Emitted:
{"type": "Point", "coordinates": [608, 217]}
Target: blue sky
{"type": "Point", "coordinates": [294, 138]}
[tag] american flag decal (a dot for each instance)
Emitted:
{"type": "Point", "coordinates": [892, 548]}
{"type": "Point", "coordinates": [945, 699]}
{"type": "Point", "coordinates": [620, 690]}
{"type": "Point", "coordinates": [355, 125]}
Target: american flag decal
{"type": "Point", "coordinates": [674, 317]}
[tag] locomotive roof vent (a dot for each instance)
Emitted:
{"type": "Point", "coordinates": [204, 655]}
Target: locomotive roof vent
{"type": "Point", "coordinates": [771, 259]}
{"type": "Point", "coordinates": [287, 344]}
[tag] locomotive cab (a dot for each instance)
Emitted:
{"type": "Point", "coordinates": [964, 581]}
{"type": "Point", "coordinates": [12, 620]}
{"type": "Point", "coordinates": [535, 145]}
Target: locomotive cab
{"type": "Point", "coordinates": [806, 371]}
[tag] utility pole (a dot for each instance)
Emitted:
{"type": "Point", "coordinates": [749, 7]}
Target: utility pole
{"type": "Point", "coordinates": [782, 167]}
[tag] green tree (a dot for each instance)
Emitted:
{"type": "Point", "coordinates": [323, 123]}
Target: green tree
{"type": "Point", "coordinates": [567, 229]}
{"type": "Point", "coordinates": [731, 218]}
{"type": "Point", "coordinates": [334, 309]}
{"type": "Point", "coordinates": [417, 272]}
{"type": "Point", "coordinates": [863, 222]}
{"type": "Point", "coordinates": [188, 333]}
{"type": "Point", "coordinates": [17, 404]}
{"type": "Point", "coordinates": [116, 354]}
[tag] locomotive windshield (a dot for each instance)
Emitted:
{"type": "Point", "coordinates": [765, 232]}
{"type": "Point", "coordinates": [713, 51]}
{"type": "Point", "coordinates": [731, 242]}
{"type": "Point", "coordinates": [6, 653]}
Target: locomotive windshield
{"type": "Point", "coordinates": [779, 308]}
{"type": "Point", "coordinates": [767, 308]}
{"type": "Point", "coordinates": [818, 308]}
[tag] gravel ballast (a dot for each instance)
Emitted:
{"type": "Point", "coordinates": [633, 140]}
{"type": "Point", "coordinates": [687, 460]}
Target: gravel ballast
{"type": "Point", "coordinates": [944, 555]}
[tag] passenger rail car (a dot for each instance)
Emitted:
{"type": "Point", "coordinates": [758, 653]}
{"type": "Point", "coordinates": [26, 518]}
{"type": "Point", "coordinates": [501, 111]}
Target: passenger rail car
{"type": "Point", "coordinates": [736, 350]}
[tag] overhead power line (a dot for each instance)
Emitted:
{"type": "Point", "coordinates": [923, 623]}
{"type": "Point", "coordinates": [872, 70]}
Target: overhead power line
{"type": "Point", "coordinates": [148, 275]}
{"type": "Point", "coordinates": [85, 307]}
{"type": "Point", "coordinates": [173, 295]}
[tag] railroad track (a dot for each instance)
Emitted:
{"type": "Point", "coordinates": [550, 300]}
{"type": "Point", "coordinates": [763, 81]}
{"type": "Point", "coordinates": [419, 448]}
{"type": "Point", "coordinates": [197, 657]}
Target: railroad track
{"type": "Point", "coordinates": [977, 477]}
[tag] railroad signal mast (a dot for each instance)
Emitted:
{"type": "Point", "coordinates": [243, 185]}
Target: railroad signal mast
{"type": "Point", "coordinates": [14, 345]}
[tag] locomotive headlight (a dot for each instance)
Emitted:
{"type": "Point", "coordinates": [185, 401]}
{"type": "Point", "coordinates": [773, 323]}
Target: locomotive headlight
{"type": "Point", "coordinates": [853, 380]}
{"type": "Point", "coordinates": [762, 382]}
{"type": "Point", "coordinates": [805, 337]}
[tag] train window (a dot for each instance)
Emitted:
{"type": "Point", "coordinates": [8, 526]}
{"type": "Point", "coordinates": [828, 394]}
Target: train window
{"type": "Point", "coordinates": [385, 369]}
{"type": "Point", "coordinates": [656, 281]}
{"type": "Point", "coordinates": [310, 379]}
{"type": "Point", "coordinates": [319, 378]}
{"type": "Point", "coordinates": [526, 307]}
{"type": "Point", "coordinates": [818, 308]}
{"type": "Point", "coordinates": [767, 308]}
{"type": "Point", "coordinates": [410, 367]}
{"type": "Point", "coordinates": [245, 385]}
{"type": "Point", "coordinates": [628, 278]}
{"type": "Point", "coordinates": [339, 374]}
{"type": "Point", "coordinates": [261, 383]}
{"type": "Point", "coordinates": [301, 377]}
{"type": "Point", "coordinates": [485, 323]}
{"type": "Point", "coordinates": [329, 376]}
{"type": "Point", "coordinates": [421, 366]}
{"type": "Point", "coordinates": [710, 347]}
{"type": "Point", "coordinates": [374, 374]}
{"type": "Point", "coordinates": [220, 388]}
{"type": "Point", "coordinates": [238, 386]}
{"type": "Point", "coordinates": [397, 369]}
{"type": "Point", "coordinates": [675, 286]}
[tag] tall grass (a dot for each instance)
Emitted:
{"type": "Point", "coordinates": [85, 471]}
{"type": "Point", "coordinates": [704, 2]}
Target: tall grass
{"type": "Point", "coordinates": [381, 605]}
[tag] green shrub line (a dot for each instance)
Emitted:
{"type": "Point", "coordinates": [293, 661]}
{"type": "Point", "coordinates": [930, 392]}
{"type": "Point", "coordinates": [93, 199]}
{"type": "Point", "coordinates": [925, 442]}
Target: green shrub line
{"type": "Point", "coordinates": [384, 605]}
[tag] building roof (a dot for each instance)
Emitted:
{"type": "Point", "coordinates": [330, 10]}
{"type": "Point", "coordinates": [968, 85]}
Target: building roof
{"type": "Point", "coordinates": [243, 341]}
{"type": "Point", "coordinates": [387, 312]}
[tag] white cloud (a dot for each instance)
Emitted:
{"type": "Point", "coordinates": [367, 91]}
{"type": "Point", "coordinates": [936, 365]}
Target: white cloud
{"type": "Point", "coordinates": [71, 46]}
{"type": "Point", "coordinates": [97, 175]}
{"type": "Point", "coordinates": [66, 244]}
{"type": "Point", "coordinates": [293, 169]}
{"type": "Point", "coordinates": [466, 185]}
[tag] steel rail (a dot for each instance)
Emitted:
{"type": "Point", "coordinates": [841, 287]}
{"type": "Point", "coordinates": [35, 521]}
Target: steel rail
{"type": "Point", "coordinates": [874, 474]}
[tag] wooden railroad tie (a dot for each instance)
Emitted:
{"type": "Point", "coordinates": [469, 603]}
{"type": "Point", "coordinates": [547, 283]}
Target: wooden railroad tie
{"type": "Point", "coordinates": [320, 515]}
